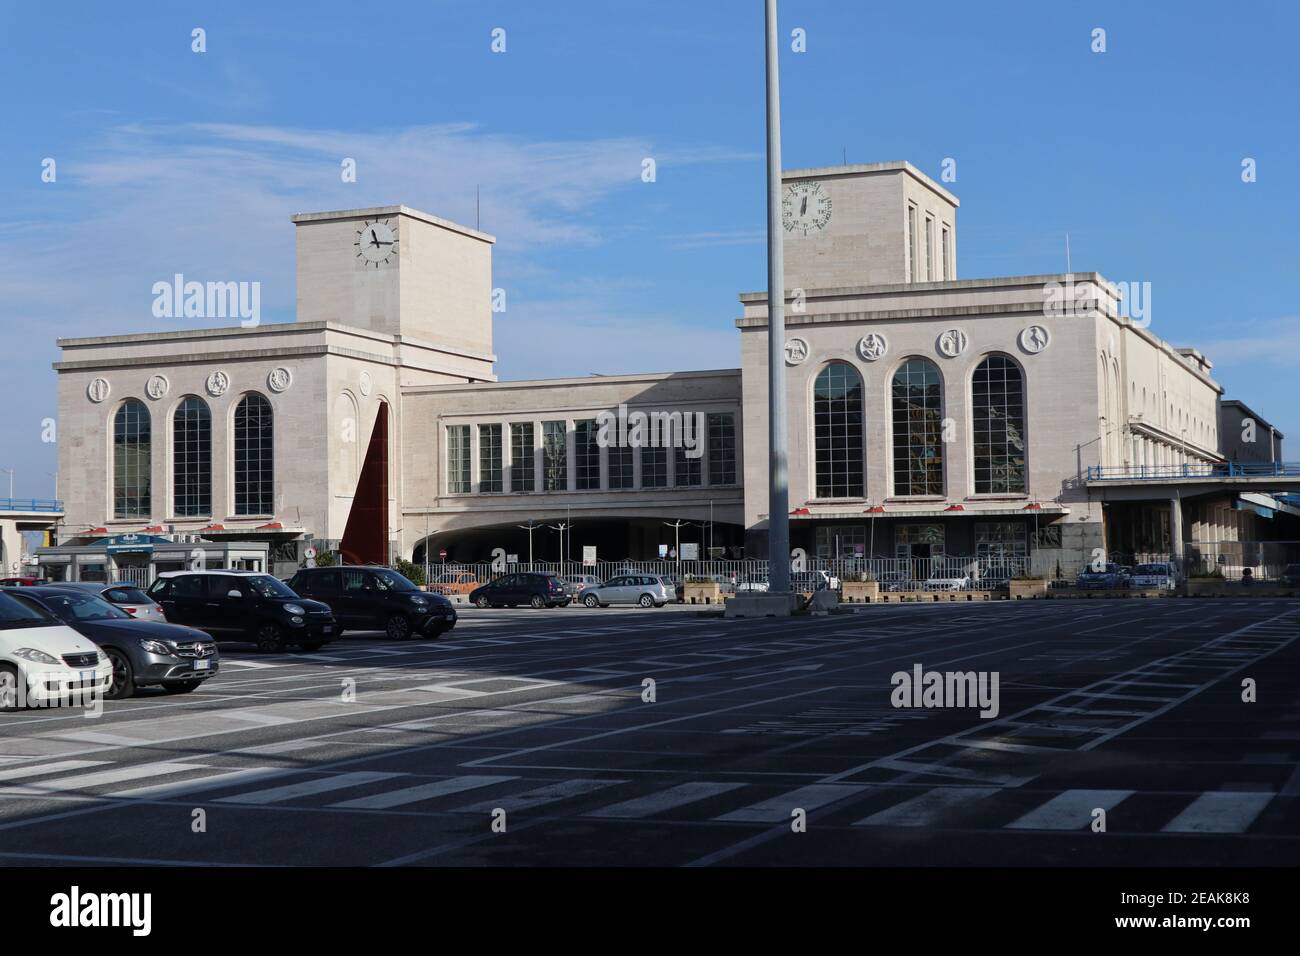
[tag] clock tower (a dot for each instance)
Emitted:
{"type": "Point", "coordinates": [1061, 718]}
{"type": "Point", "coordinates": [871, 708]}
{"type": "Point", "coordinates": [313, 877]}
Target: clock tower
{"type": "Point", "coordinates": [852, 226]}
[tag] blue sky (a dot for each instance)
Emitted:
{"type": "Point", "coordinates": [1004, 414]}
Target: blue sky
{"type": "Point", "coordinates": [171, 161]}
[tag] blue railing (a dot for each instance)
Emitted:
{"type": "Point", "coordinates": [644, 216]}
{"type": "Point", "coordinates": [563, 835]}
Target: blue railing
{"type": "Point", "coordinates": [1227, 469]}
{"type": "Point", "coordinates": [51, 505]}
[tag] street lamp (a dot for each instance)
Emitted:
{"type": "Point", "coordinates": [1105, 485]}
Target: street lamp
{"type": "Point", "coordinates": [530, 528]}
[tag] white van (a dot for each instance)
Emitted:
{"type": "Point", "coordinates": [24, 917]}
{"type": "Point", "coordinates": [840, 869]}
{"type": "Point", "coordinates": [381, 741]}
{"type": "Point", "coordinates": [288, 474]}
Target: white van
{"type": "Point", "coordinates": [43, 661]}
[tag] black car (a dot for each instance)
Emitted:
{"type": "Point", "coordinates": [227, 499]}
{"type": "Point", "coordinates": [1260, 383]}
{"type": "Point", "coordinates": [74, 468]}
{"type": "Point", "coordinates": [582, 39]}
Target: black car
{"type": "Point", "coordinates": [511, 590]}
{"type": "Point", "coordinates": [144, 653]}
{"type": "Point", "coordinates": [366, 598]}
{"type": "Point", "coordinates": [244, 606]}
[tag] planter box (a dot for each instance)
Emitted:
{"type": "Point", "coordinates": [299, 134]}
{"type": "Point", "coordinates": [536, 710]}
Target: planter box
{"type": "Point", "coordinates": [702, 592]}
{"type": "Point", "coordinates": [860, 592]}
{"type": "Point", "coordinates": [1028, 589]}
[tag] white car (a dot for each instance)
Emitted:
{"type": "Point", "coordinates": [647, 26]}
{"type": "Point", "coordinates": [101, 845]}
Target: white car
{"type": "Point", "coordinates": [43, 661]}
{"type": "Point", "coordinates": [647, 590]}
{"type": "Point", "coordinates": [1159, 576]}
{"type": "Point", "coordinates": [948, 583]}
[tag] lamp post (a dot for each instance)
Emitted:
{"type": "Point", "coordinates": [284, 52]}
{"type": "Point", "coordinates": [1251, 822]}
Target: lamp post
{"type": "Point", "coordinates": [530, 528]}
{"type": "Point", "coordinates": [778, 490]}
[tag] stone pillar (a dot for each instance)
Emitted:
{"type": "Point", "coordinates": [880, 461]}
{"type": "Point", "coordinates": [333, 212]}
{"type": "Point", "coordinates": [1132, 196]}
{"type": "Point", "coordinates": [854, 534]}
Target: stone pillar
{"type": "Point", "coordinates": [1176, 535]}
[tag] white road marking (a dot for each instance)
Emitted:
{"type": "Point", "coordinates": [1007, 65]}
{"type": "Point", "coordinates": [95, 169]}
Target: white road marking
{"type": "Point", "coordinates": [308, 787]}
{"type": "Point", "coordinates": [424, 791]}
{"type": "Point", "coordinates": [928, 808]}
{"type": "Point", "coordinates": [87, 780]}
{"type": "Point", "coordinates": [542, 795]}
{"type": "Point", "coordinates": [1071, 810]}
{"type": "Point", "coordinates": [669, 799]}
{"type": "Point", "coordinates": [1219, 812]}
{"type": "Point", "coordinates": [35, 770]}
{"type": "Point", "coordinates": [778, 809]}
{"type": "Point", "coordinates": [162, 791]}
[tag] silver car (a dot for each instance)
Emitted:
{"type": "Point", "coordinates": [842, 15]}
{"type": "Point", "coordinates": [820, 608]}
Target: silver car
{"type": "Point", "coordinates": [125, 596]}
{"type": "Point", "coordinates": [643, 589]}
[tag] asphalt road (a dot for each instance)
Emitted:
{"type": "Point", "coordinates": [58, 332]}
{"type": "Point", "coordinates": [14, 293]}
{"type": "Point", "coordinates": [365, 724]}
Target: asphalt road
{"type": "Point", "coordinates": [524, 738]}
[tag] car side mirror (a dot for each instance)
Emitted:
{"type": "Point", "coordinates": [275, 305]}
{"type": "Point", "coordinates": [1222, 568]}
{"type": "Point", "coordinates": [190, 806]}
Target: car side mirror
{"type": "Point", "coordinates": [234, 593]}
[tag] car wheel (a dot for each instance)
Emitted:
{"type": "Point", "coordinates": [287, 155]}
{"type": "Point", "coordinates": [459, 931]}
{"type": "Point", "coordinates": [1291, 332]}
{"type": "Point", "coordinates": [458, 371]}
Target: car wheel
{"type": "Point", "coordinates": [646, 601]}
{"type": "Point", "coordinates": [481, 602]}
{"type": "Point", "coordinates": [123, 684]}
{"type": "Point", "coordinates": [537, 601]}
{"type": "Point", "coordinates": [591, 601]}
{"type": "Point", "coordinates": [8, 687]}
{"type": "Point", "coordinates": [180, 686]}
{"type": "Point", "coordinates": [269, 638]}
{"type": "Point", "coordinates": [398, 628]}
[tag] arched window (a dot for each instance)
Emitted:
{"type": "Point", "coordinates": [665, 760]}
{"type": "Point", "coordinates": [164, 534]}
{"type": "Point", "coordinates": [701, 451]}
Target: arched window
{"type": "Point", "coordinates": [132, 461]}
{"type": "Point", "coordinates": [254, 444]}
{"type": "Point", "coordinates": [918, 429]}
{"type": "Point", "coordinates": [192, 459]}
{"type": "Point", "coordinates": [998, 416]}
{"type": "Point", "coordinates": [837, 431]}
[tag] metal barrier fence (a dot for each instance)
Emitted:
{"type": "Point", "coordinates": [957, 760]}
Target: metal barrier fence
{"type": "Point", "coordinates": [1227, 469]}
{"type": "Point", "coordinates": [892, 573]}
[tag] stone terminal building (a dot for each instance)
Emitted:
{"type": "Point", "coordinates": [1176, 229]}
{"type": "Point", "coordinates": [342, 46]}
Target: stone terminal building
{"type": "Point", "coordinates": [931, 417]}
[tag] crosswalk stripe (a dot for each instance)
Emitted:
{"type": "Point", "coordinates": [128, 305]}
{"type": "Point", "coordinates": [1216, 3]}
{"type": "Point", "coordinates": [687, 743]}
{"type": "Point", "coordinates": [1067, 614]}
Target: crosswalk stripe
{"type": "Point", "coordinates": [927, 808]}
{"type": "Point", "coordinates": [34, 770]}
{"type": "Point", "coordinates": [163, 790]}
{"type": "Point", "coordinates": [306, 788]}
{"type": "Point", "coordinates": [85, 781]}
{"type": "Point", "coordinates": [1219, 812]}
{"type": "Point", "coordinates": [669, 799]}
{"type": "Point", "coordinates": [778, 809]}
{"type": "Point", "coordinates": [542, 795]}
{"type": "Point", "coordinates": [424, 791]}
{"type": "Point", "coordinates": [1071, 810]}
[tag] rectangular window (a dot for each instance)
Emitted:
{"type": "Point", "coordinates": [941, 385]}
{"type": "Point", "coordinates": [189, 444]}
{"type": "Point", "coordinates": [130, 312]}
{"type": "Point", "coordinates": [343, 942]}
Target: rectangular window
{"type": "Point", "coordinates": [841, 541]}
{"type": "Point", "coordinates": [522, 477]}
{"type": "Point", "coordinates": [947, 255]}
{"type": "Point", "coordinates": [620, 466]}
{"type": "Point", "coordinates": [654, 467]}
{"type": "Point", "coordinates": [686, 471]}
{"type": "Point", "coordinates": [911, 242]}
{"type": "Point", "coordinates": [929, 249]}
{"type": "Point", "coordinates": [586, 454]}
{"type": "Point", "coordinates": [722, 448]}
{"type": "Point", "coordinates": [555, 457]}
{"type": "Point", "coordinates": [489, 458]}
{"type": "Point", "coordinates": [457, 459]}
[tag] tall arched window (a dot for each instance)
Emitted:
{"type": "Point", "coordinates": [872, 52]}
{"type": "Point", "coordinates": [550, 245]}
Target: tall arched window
{"type": "Point", "coordinates": [918, 429]}
{"type": "Point", "coordinates": [132, 461]}
{"type": "Point", "coordinates": [192, 459]}
{"type": "Point", "coordinates": [998, 414]}
{"type": "Point", "coordinates": [837, 431]}
{"type": "Point", "coordinates": [254, 444]}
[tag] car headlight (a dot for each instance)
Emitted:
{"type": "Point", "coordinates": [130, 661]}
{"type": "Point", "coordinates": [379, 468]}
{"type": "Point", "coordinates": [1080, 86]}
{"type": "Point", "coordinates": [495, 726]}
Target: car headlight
{"type": "Point", "coordinates": [103, 658]}
{"type": "Point", "coordinates": [419, 601]}
{"type": "Point", "coordinates": [154, 647]}
{"type": "Point", "coordinates": [35, 656]}
{"type": "Point", "coordinates": [295, 609]}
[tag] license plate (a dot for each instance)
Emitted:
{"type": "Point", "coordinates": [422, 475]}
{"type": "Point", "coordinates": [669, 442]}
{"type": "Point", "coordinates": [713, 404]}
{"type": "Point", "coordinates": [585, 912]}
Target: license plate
{"type": "Point", "coordinates": [327, 629]}
{"type": "Point", "coordinates": [88, 677]}
{"type": "Point", "coordinates": [202, 665]}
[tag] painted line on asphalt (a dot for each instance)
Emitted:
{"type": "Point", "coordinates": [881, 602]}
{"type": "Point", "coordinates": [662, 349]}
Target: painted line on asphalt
{"type": "Point", "coordinates": [307, 788]}
{"type": "Point", "coordinates": [1071, 810]}
{"type": "Point", "coordinates": [416, 794]}
{"type": "Point", "coordinates": [1217, 812]}
{"type": "Point", "coordinates": [928, 808]}
{"type": "Point", "coordinates": [673, 797]}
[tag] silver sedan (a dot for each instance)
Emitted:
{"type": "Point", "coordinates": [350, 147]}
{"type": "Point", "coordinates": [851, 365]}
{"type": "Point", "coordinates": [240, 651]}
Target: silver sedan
{"type": "Point", "coordinates": [642, 589]}
{"type": "Point", "coordinates": [127, 597]}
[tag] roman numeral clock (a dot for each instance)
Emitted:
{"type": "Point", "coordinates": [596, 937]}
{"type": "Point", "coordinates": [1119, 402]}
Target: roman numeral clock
{"type": "Point", "coordinates": [376, 243]}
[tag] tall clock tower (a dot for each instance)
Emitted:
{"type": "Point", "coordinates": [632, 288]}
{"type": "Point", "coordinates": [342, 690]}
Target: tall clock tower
{"type": "Point", "coordinates": [882, 224]}
{"type": "Point", "coordinates": [399, 271]}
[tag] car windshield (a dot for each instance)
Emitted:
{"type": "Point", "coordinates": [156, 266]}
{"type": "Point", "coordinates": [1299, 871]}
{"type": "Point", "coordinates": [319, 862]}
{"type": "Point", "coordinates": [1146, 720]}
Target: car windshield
{"type": "Point", "coordinates": [15, 613]}
{"type": "Point", "coordinates": [389, 580]}
{"type": "Point", "coordinates": [1150, 569]}
{"type": "Point", "coordinates": [264, 585]}
{"type": "Point", "coordinates": [127, 596]}
{"type": "Point", "coordinates": [73, 607]}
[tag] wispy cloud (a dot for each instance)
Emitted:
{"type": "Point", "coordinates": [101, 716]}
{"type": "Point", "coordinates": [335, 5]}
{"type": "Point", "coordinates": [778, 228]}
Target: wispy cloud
{"type": "Point", "coordinates": [1271, 342]}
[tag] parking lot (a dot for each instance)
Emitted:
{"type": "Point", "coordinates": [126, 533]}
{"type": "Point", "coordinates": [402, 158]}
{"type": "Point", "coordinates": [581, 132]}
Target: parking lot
{"type": "Point", "coordinates": [662, 736]}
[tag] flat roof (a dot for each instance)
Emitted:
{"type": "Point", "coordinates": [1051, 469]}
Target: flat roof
{"type": "Point", "coordinates": [372, 212]}
{"type": "Point", "coordinates": [858, 169]}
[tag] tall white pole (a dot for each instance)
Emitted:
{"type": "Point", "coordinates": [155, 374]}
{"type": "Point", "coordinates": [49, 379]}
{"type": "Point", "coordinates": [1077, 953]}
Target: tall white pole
{"type": "Point", "coordinates": [778, 521]}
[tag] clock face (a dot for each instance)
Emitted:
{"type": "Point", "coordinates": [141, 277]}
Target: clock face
{"type": "Point", "coordinates": [805, 208]}
{"type": "Point", "coordinates": [376, 243]}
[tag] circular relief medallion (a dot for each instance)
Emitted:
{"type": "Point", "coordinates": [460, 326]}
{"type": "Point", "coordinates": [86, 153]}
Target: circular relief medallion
{"type": "Point", "coordinates": [366, 383]}
{"type": "Point", "coordinates": [796, 351]}
{"type": "Point", "coordinates": [279, 379]}
{"type": "Point", "coordinates": [98, 390]}
{"type": "Point", "coordinates": [217, 384]}
{"type": "Point", "coordinates": [157, 387]}
{"type": "Point", "coordinates": [873, 346]}
{"type": "Point", "coordinates": [1034, 339]}
{"type": "Point", "coordinates": [952, 343]}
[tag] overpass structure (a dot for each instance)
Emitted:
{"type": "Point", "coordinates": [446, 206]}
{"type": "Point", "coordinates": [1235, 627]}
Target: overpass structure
{"type": "Point", "coordinates": [23, 514]}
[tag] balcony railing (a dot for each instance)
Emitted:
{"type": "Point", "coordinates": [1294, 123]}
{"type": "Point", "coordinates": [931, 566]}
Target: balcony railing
{"type": "Point", "coordinates": [50, 505]}
{"type": "Point", "coordinates": [1227, 469]}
